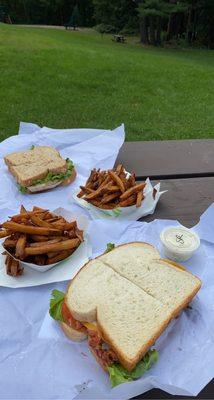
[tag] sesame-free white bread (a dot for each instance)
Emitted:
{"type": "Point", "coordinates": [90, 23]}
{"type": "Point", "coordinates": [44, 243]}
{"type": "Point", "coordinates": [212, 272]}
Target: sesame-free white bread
{"type": "Point", "coordinates": [129, 291]}
{"type": "Point", "coordinates": [159, 278]}
{"type": "Point", "coordinates": [130, 319]}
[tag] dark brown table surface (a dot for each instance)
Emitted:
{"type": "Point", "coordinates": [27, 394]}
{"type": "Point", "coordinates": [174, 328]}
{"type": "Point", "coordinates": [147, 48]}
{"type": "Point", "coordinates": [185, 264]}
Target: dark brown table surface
{"type": "Point", "coordinates": [186, 170]}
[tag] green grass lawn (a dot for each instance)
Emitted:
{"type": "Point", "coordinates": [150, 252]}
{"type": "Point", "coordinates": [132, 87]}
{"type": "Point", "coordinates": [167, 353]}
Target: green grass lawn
{"type": "Point", "coordinates": [68, 79]}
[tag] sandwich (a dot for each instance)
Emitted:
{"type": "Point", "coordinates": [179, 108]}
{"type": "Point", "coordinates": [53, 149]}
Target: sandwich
{"type": "Point", "coordinates": [120, 303]}
{"type": "Point", "coordinates": [40, 168]}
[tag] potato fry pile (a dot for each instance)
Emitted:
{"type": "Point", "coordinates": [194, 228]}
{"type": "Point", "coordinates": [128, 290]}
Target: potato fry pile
{"type": "Point", "coordinates": [111, 189]}
{"type": "Point", "coordinates": [38, 237]}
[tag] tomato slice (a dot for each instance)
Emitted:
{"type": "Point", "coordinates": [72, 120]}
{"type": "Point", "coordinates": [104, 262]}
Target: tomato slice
{"type": "Point", "coordinates": [70, 320]}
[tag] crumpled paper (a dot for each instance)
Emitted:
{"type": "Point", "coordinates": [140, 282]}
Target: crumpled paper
{"type": "Point", "coordinates": [186, 348]}
{"type": "Point", "coordinates": [35, 275]}
{"type": "Point", "coordinates": [131, 213]}
{"type": "Point", "coordinates": [88, 148]}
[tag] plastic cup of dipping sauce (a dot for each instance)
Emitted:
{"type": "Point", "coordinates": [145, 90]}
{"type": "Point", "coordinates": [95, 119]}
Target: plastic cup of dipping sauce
{"type": "Point", "coordinates": [179, 243]}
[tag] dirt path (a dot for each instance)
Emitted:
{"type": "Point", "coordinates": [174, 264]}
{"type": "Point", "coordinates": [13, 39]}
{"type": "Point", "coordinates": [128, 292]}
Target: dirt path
{"type": "Point", "coordinates": [54, 27]}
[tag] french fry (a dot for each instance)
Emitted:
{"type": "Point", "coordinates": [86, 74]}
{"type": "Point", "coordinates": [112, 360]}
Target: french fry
{"type": "Point", "coordinates": [32, 230]}
{"type": "Point", "coordinates": [40, 259]}
{"type": "Point", "coordinates": [4, 233]}
{"type": "Point", "coordinates": [112, 189]}
{"type": "Point", "coordinates": [97, 192]}
{"type": "Point", "coordinates": [59, 257]}
{"type": "Point", "coordinates": [55, 247]}
{"type": "Point", "coordinates": [110, 197]}
{"type": "Point", "coordinates": [13, 267]}
{"type": "Point", "coordinates": [117, 180]}
{"type": "Point", "coordinates": [25, 216]}
{"type": "Point", "coordinates": [53, 254]}
{"type": "Point", "coordinates": [10, 243]}
{"type": "Point", "coordinates": [108, 206]}
{"type": "Point", "coordinates": [38, 236]}
{"type": "Point", "coordinates": [119, 169]}
{"type": "Point", "coordinates": [139, 199]}
{"type": "Point", "coordinates": [39, 244]}
{"type": "Point", "coordinates": [20, 247]}
{"type": "Point", "coordinates": [130, 201]}
{"type": "Point", "coordinates": [132, 190]}
{"type": "Point", "coordinates": [23, 210]}
{"type": "Point", "coordinates": [39, 222]}
{"type": "Point", "coordinates": [154, 193]}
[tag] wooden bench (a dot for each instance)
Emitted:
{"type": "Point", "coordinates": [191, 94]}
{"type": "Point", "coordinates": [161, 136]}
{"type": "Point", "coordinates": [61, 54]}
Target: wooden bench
{"type": "Point", "coordinates": [119, 39]}
{"type": "Point", "coordinates": [186, 170]}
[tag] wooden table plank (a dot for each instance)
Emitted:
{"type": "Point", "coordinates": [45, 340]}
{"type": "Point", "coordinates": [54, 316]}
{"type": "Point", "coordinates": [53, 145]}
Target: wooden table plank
{"type": "Point", "coordinates": [185, 200]}
{"type": "Point", "coordinates": [168, 159]}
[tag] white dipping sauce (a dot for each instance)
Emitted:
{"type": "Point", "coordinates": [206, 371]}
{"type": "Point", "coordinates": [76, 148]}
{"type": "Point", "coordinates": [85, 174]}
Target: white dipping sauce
{"type": "Point", "coordinates": [179, 243]}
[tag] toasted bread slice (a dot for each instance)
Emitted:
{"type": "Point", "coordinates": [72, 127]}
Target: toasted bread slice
{"type": "Point", "coordinates": [131, 308]}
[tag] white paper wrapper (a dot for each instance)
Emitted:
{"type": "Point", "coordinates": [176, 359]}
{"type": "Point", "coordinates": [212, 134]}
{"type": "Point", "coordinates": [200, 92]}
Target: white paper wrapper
{"type": "Point", "coordinates": [131, 213]}
{"type": "Point", "coordinates": [186, 348]}
{"type": "Point", "coordinates": [87, 148]}
{"type": "Point", "coordinates": [54, 272]}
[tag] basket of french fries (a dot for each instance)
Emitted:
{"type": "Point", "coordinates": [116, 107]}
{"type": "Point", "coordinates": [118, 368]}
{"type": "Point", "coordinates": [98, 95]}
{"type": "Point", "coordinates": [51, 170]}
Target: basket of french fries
{"type": "Point", "coordinates": [39, 239]}
{"type": "Point", "coordinates": [115, 193]}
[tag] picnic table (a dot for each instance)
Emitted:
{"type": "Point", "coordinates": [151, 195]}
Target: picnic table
{"type": "Point", "coordinates": [119, 38]}
{"type": "Point", "coordinates": [186, 170]}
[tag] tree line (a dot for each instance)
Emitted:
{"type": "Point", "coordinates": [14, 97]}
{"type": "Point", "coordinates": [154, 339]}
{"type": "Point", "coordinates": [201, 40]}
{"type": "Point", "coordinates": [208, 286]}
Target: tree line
{"type": "Point", "coordinates": [155, 21]}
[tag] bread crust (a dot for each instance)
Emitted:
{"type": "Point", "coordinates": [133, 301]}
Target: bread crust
{"type": "Point", "coordinates": [126, 363]}
{"type": "Point", "coordinates": [66, 182]}
{"type": "Point", "coordinates": [73, 334]}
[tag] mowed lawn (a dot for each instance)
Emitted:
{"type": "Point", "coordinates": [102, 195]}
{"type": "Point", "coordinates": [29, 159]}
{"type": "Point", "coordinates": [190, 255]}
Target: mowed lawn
{"type": "Point", "coordinates": [68, 79]}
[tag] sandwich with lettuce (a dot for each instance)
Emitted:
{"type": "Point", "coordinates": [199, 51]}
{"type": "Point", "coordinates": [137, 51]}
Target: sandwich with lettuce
{"type": "Point", "coordinates": [40, 168]}
{"type": "Point", "coordinates": [121, 302]}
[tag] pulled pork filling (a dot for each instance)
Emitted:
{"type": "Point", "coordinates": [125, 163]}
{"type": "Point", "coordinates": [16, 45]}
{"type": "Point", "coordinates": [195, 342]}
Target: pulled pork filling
{"type": "Point", "coordinates": [101, 349]}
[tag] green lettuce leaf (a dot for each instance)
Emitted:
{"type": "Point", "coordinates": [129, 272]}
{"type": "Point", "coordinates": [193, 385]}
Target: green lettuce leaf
{"type": "Point", "coordinates": [109, 247]}
{"type": "Point", "coordinates": [22, 189]}
{"type": "Point", "coordinates": [119, 374]}
{"type": "Point", "coordinates": [55, 309]}
{"type": "Point", "coordinates": [52, 177]}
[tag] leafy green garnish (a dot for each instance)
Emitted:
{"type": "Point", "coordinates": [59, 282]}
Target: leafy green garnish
{"type": "Point", "coordinates": [22, 189]}
{"type": "Point", "coordinates": [109, 247]}
{"type": "Point", "coordinates": [55, 309]}
{"type": "Point", "coordinates": [32, 147]}
{"type": "Point", "coordinates": [52, 177]}
{"type": "Point", "coordinates": [119, 374]}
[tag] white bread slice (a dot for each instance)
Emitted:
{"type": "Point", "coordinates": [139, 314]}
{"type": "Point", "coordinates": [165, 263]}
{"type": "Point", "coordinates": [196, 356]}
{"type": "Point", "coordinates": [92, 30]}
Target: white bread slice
{"type": "Point", "coordinates": [172, 285]}
{"type": "Point", "coordinates": [130, 313]}
{"type": "Point", "coordinates": [28, 166]}
{"type": "Point", "coordinates": [73, 334]}
{"type": "Point", "coordinates": [129, 319]}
